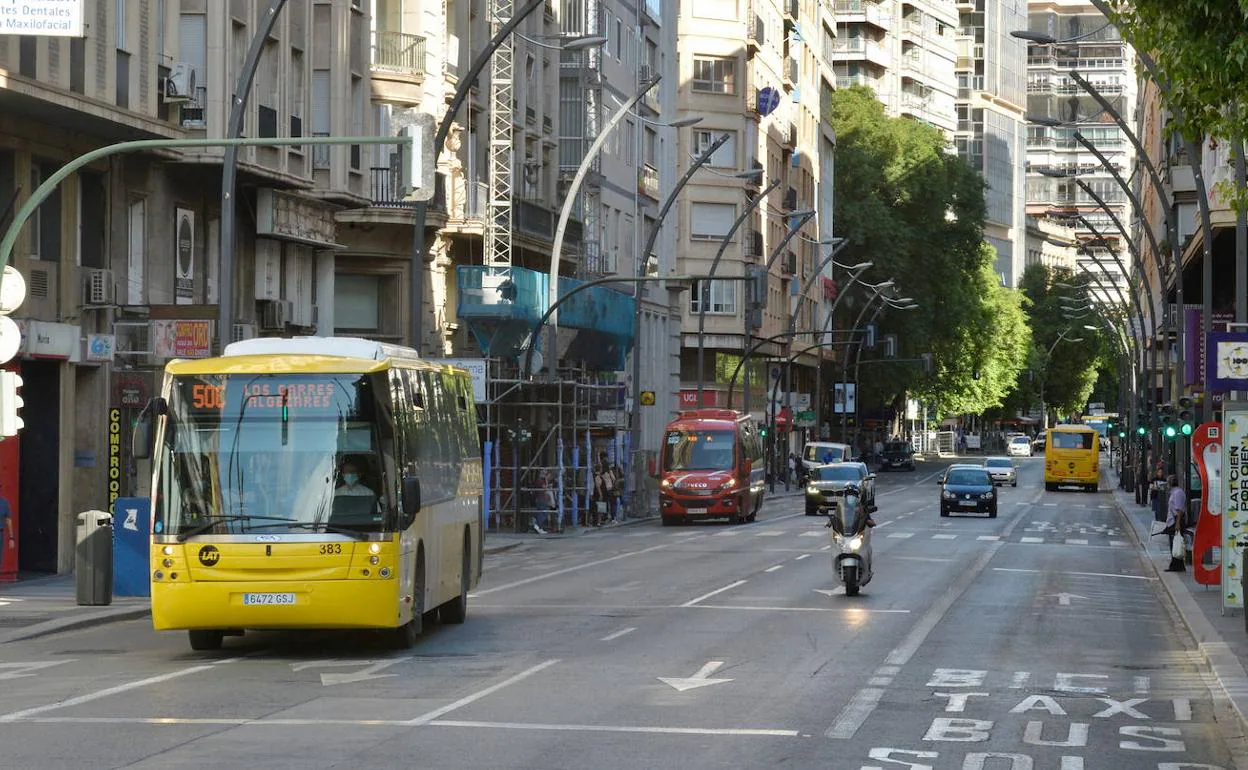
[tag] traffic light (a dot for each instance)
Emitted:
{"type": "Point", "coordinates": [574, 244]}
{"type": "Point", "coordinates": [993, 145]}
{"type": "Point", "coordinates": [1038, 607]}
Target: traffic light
{"type": "Point", "coordinates": [756, 285]}
{"type": "Point", "coordinates": [1169, 427]}
{"type": "Point", "coordinates": [10, 402]}
{"type": "Point", "coordinates": [1187, 415]}
{"type": "Point", "coordinates": [762, 431]}
{"type": "Point", "coordinates": [1141, 430]}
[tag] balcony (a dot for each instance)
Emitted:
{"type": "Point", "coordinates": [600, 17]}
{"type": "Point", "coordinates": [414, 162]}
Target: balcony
{"type": "Point", "coordinates": [399, 53]}
{"type": "Point", "coordinates": [849, 11]}
{"type": "Point", "coordinates": [648, 181]}
{"type": "Point", "coordinates": [755, 34]}
{"type": "Point", "coordinates": [861, 48]}
{"type": "Point", "coordinates": [536, 221]}
{"type": "Point", "coordinates": [792, 9]}
{"type": "Point", "coordinates": [603, 315]}
{"type": "Point", "coordinates": [386, 189]}
{"type": "Point", "coordinates": [753, 243]}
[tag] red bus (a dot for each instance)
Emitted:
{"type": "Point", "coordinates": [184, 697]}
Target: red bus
{"type": "Point", "coordinates": [711, 467]}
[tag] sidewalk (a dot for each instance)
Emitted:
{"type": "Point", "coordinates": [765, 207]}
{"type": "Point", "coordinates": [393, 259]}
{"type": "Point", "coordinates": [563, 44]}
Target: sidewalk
{"type": "Point", "coordinates": [48, 605]}
{"type": "Point", "coordinates": [1222, 639]}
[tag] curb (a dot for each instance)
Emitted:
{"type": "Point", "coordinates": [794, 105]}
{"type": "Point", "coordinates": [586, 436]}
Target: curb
{"type": "Point", "coordinates": [90, 620]}
{"type": "Point", "coordinates": [1224, 664]}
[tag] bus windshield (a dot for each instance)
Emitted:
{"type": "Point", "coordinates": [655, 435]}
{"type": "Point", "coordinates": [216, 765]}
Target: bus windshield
{"type": "Point", "coordinates": [1071, 440]}
{"type": "Point", "coordinates": [698, 450]}
{"type": "Point", "coordinates": [263, 454]}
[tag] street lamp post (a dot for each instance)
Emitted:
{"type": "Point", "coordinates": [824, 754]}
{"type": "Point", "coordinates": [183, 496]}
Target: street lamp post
{"type": "Point", "coordinates": [723, 246]}
{"type": "Point", "coordinates": [877, 294]}
{"type": "Point", "coordinates": [905, 303]}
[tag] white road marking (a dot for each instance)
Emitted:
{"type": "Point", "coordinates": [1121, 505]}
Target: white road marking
{"type": "Point", "coordinates": [108, 691]}
{"type": "Point", "coordinates": [855, 610]}
{"type": "Point", "coordinates": [1049, 505]}
{"type": "Point", "coordinates": [612, 637]}
{"type": "Point", "coordinates": [773, 569]}
{"type": "Point", "coordinates": [429, 716]}
{"type": "Point", "coordinates": [738, 731]}
{"type": "Point", "coordinates": [1142, 684]}
{"type": "Point", "coordinates": [1081, 574]}
{"type": "Point", "coordinates": [1119, 542]}
{"type": "Point", "coordinates": [364, 674]}
{"type": "Point", "coordinates": [888, 670]}
{"type": "Point", "coordinates": [811, 534]}
{"type": "Point", "coordinates": [1031, 540]}
{"type": "Point", "coordinates": [988, 537]}
{"type": "Point", "coordinates": [19, 670]}
{"type": "Point", "coordinates": [803, 556]}
{"type": "Point", "coordinates": [1020, 680]}
{"type": "Point", "coordinates": [1075, 541]}
{"type": "Point", "coordinates": [902, 534]}
{"type": "Point", "coordinates": [944, 537]}
{"type": "Point", "coordinates": [729, 533]}
{"type": "Point", "coordinates": [855, 713]}
{"type": "Point", "coordinates": [578, 567]}
{"type": "Point", "coordinates": [700, 679]}
{"type": "Point", "coordinates": [769, 533]}
{"type": "Point", "coordinates": [880, 681]}
{"type": "Point", "coordinates": [717, 591]}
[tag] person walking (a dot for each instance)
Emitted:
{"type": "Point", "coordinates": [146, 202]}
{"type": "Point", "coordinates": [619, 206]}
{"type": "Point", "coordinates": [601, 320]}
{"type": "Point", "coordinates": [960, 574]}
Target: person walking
{"type": "Point", "coordinates": [544, 502]}
{"type": "Point", "coordinates": [1176, 507]}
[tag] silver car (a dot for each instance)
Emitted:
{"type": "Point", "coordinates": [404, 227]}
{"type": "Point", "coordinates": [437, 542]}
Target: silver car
{"type": "Point", "coordinates": [1002, 470]}
{"type": "Point", "coordinates": [828, 482]}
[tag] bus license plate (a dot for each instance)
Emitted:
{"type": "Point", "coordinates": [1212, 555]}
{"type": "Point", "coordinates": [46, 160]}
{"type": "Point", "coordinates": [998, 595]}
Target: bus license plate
{"type": "Point", "coordinates": [695, 510]}
{"type": "Point", "coordinates": [268, 598]}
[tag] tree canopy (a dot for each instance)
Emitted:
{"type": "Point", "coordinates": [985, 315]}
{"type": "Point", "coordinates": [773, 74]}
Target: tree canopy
{"type": "Point", "coordinates": [916, 211]}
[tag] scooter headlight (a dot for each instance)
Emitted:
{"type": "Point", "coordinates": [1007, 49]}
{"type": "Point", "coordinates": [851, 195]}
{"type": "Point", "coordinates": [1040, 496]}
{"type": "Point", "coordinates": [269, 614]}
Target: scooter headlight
{"type": "Point", "coordinates": [855, 542]}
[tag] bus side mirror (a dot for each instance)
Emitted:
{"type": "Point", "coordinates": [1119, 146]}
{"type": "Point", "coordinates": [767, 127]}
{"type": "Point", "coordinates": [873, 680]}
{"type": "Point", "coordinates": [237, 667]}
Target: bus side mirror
{"type": "Point", "coordinates": [143, 437]}
{"type": "Point", "coordinates": [411, 496]}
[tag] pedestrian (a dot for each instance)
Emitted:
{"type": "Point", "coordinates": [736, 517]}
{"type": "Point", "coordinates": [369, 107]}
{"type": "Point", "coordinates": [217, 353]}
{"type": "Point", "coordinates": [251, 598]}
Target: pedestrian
{"type": "Point", "coordinates": [792, 467]}
{"type": "Point", "coordinates": [6, 526]}
{"type": "Point", "coordinates": [1158, 492]}
{"type": "Point", "coordinates": [544, 503]}
{"type": "Point", "coordinates": [1176, 506]}
{"type": "Point", "coordinates": [603, 492]}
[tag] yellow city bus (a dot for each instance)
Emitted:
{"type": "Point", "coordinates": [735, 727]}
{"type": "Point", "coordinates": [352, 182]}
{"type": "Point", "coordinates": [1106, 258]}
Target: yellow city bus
{"type": "Point", "coordinates": [1072, 456]}
{"type": "Point", "coordinates": [312, 482]}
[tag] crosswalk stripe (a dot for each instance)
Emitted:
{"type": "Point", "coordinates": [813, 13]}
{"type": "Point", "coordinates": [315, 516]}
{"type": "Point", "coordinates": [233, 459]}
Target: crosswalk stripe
{"type": "Point", "coordinates": [944, 537]}
{"type": "Point", "coordinates": [988, 537]}
{"type": "Point", "coordinates": [811, 534]}
{"type": "Point", "coordinates": [901, 534]}
{"type": "Point", "coordinates": [1076, 541]}
{"type": "Point", "coordinates": [1118, 542]}
{"type": "Point", "coordinates": [1031, 540]}
{"type": "Point", "coordinates": [769, 533]}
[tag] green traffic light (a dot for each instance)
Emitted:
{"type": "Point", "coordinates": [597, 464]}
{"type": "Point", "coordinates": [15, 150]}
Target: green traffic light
{"type": "Point", "coordinates": [1141, 430]}
{"type": "Point", "coordinates": [1187, 429]}
{"type": "Point", "coordinates": [1122, 434]}
{"type": "Point", "coordinates": [1170, 432]}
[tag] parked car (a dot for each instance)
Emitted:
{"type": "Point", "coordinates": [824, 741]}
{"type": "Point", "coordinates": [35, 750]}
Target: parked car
{"type": "Point", "coordinates": [816, 453]}
{"type": "Point", "coordinates": [828, 482]}
{"type": "Point", "coordinates": [1019, 446]}
{"type": "Point", "coordinates": [968, 489]}
{"type": "Point", "coordinates": [898, 454]}
{"type": "Point", "coordinates": [1002, 470]}
{"type": "Point", "coordinates": [1038, 444]}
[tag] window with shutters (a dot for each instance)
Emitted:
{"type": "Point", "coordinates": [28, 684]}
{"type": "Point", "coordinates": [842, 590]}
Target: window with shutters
{"type": "Point", "coordinates": [297, 95]}
{"type": "Point", "coordinates": [119, 25]}
{"type": "Point", "coordinates": [718, 297]}
{"type": "Point", "coordinates": [725, 156]}
{"type": "Point", "coordinates": [359, 117]}
{"type": "Point", "coordinates": [320, 117]}
{"type": "Point", "coordinates": [710, 221]}
{"type": "Point", "coordinates": [193, 50]}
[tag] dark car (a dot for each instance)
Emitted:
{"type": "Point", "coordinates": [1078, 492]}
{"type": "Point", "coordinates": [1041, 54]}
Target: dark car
{"type": "Point", "coordinates": [898, 454]}
{"type": "Point", "coordinates": [968, 489]}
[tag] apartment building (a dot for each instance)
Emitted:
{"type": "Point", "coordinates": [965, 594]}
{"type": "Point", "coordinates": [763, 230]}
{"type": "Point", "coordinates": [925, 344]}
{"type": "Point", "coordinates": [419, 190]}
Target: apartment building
{"type": "Point", "coordinates": [1097, 51]}
{"type": "Point", "coordinates": [991, 132]}
{"type": "Point", "coordinates": [122, 261]}
{"type": "Point", "coordinates": [904, 50]}
{"type": "Point", "coordinates": [757, 58]}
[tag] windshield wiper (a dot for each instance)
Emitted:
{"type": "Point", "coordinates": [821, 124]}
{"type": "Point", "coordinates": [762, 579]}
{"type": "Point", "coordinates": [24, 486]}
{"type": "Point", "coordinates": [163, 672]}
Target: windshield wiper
{"type": "Point", "coordinates": [199, 529]}
{"type": "Point", "coordinates": [317, 526]}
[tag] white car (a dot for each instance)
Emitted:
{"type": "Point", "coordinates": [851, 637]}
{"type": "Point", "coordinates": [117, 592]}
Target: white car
{"type": "Point", "coordinates": [1019, 446]}
{"type": "Point", "coordinates": [1002, 470]}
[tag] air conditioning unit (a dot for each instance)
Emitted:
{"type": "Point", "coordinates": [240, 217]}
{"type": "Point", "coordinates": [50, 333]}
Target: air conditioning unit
{"type": "Point", "coordinates": [243, 331]}
{"type": "Point", "coordinates": [180, 85]}
{"type": "Point", "coordinates": [98, 289]}
{"type": "Point", "coordinates": [275, 314]}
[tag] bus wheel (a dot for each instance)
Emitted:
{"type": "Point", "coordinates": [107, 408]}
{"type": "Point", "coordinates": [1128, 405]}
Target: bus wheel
{"type": "Point", "coordinates": [1050, 487]}
{"type": "Point", "coordinates": [206, 640]}
{"type": "Point", "coordinates": [456, 610]}
{"type": "Point", "coordinates": [405, 636]}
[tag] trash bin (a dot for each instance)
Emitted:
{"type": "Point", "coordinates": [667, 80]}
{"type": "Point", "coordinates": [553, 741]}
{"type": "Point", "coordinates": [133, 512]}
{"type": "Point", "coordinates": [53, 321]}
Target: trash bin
{"type": "Point", "coordinates": [94, 570]}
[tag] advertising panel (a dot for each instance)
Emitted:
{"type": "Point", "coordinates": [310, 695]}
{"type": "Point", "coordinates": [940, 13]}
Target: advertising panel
{"type": "Point", "coordinates": [1234, 502]}
{"type": "Point", "coordinates": [1207, 539]}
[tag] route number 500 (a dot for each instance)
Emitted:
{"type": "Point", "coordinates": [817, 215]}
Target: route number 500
{"type": "Point", "coordinates": [205, 396]}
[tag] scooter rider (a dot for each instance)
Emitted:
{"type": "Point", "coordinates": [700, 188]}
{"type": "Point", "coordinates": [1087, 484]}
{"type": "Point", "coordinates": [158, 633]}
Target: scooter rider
{"type": "Point", "coordinates": [851, 490]}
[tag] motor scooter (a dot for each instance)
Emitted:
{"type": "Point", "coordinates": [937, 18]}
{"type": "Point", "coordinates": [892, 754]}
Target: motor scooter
{"type": "Point", "coordinates": [851, 527]}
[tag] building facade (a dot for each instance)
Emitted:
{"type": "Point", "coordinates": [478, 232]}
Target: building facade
{"type": "Point", "coordinates": [1097, 51]}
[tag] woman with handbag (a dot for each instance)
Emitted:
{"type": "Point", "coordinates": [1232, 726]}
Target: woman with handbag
{"type": "Point", "coordinates": [1176, 512]}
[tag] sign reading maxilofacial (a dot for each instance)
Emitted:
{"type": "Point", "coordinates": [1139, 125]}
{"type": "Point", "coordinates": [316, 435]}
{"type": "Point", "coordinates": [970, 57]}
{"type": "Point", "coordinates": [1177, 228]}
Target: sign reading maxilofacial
{"type": "Point", "coordinates": [44, 18]}
{"type": "Point", "coordinates": [1234, 501]}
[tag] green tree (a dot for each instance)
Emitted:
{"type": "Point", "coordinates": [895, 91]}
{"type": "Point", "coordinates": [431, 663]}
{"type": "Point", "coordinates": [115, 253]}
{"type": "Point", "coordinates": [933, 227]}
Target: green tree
{"type": "Point", "coordinates": [916, 211]}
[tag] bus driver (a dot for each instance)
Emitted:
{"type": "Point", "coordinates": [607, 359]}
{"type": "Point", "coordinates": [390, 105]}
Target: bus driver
{"type": "Point", "coordinates": [351, 486]}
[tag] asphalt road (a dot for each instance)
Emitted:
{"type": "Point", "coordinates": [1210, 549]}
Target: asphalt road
{"type": "Point", "coordinates": [1035, 641]}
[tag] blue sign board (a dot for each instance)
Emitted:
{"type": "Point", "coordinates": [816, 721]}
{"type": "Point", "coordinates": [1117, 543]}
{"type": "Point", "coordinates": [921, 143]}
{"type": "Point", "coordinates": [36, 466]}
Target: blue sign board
{"type": "Point", "coordinates": [1226, 364]}
{"type": "Point", "coordinates": [768, 100]}
{"type": "Point", "coordinates": [132, 527]}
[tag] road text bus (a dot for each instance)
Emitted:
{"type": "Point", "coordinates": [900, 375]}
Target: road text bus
{"type": "Point", "coordinates": [711, 467]}
{"type": "Point", "coordinates": [1072, 456]}
{"type": "Point", "coordinates": [313, 482]}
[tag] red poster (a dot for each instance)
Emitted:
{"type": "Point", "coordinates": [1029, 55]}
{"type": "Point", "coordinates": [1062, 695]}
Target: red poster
{"type": "Point", "coordinates": [8, 490]}
{"type": "Point", "coordinates": [1206, 542]}
{"type": "Point", "coordinates": [689, 398]}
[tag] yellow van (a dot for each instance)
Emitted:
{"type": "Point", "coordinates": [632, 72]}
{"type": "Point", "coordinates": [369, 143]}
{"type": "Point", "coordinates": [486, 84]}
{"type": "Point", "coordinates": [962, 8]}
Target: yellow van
{"type": "Point", "coordinates": [1072, 456]}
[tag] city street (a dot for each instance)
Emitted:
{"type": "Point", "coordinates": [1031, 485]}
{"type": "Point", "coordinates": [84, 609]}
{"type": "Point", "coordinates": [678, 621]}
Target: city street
{"type": "Point", "coordinates": [1039, 640]}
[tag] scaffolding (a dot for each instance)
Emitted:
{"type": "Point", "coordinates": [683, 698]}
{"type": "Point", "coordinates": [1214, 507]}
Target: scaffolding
{"type": "Point", "coordinates": [554, 427]}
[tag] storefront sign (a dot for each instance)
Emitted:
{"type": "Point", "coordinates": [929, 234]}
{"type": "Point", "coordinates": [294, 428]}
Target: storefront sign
{"type": "Point", "coordinates": [689, 398]}
{"type": "Point", "coordinates": [1196, 344]}
{"type": "Point", "coordinates": [101, 347]}
{"type": "Point", "coordinates": [182, 339]}
{"type": "Point", "coordinates": [130, 390]}
{"type": "Point", "coordinates": [114, 456]}
{"type": "Point", "coordinates": [42, 18]}
{"type": "Point", "coordinates": [1207, 539]}
{"type": "Point", "coordinates": [282, 215]}
{"type": "Point", "coordinates": [44, 339]}
{"type": "Point", "coordinates": [476, 368]}
{"type": "Point", "coordinates": [1227, 365]}
{"type": "Point", "coordinates": [184, 257]}
{"type": "Point", "coordinates": [1234, 500]}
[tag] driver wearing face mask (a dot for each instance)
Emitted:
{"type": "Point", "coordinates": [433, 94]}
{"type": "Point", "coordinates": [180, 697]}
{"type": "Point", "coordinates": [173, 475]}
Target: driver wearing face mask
{"type": "Point", "coordinates": [351, 486]}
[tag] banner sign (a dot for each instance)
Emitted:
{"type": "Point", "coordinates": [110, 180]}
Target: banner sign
{"type": "Point", "coordinates": [114, 457]}
{"type": "Point", "coordinates": [42, 18]}
{"type": "Point", "coordinates": [1207, 539]}
{"type": "Point", "coordinates": [1234, 500]}
{"type": "Point", "coordinates": [843, 397]}
{"type": "Point", "coordinates": [184, 256]}
{"type": "Point", "coordinates": [1195, 343]}
{"type": "Point", "coordinates": [1226, 367]}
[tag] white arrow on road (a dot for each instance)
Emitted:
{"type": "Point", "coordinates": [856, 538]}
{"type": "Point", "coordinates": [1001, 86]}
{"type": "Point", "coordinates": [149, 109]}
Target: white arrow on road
{"type": "Point", "coordinates": [19, 670]}
{"type": "Point", "coordinates": [827, 591]}
{"type": "Point", "coordinates": [697, 680]}
{"type": "Point", "coordinates": [1064, 599]}
{"type": "Point", "coordinates": [369, 672]}
{"type": "Point", "coordinates": [631, 585]}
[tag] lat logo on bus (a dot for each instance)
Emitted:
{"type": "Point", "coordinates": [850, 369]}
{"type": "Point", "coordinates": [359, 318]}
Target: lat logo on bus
{"type": "Point", "coordinates": [209, 555]}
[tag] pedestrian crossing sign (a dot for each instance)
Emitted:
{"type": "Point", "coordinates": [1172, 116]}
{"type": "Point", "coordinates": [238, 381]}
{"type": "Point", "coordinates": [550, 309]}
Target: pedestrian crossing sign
{"type": "Point", "coordinates": [647, 398]}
